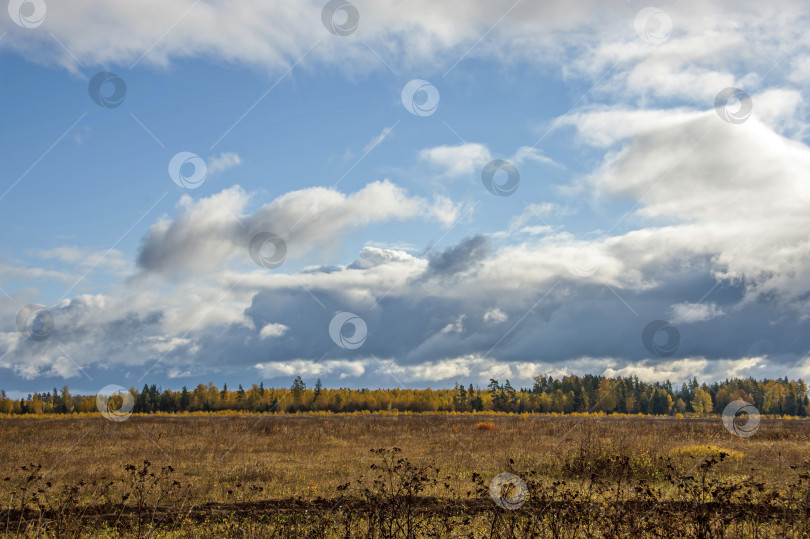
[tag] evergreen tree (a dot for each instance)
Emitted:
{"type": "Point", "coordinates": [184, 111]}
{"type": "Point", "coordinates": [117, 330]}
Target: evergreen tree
{"type": "Point", "coordinates": [298, 388]}
{"type": "Point", "coordinates": [185, 400]}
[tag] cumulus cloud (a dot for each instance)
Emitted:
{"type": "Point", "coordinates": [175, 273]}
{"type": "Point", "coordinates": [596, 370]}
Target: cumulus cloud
{"type": "Point", "coordinates": [273, 330]}
{"type": "Point", "coordinates": [495, 316]}
{"type": "Point", "coordinates": [209, 232]}
{"type": "Point", "coordinates": [735, 196]}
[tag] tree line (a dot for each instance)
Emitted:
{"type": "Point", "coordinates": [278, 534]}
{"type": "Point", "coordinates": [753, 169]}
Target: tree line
{"type": "Point", "coordinates": [568, 394]}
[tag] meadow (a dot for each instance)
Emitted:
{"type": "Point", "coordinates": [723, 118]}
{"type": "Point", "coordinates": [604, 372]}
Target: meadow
{"type": "Point", "coordinates": [402, 475]}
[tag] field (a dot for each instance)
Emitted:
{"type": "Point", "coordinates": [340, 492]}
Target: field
{"type": "Point", "coordinates": [402, 475]}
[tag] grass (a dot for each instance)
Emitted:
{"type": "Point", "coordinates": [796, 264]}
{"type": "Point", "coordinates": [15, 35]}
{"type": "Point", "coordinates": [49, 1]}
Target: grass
{"type": "Point", "coordinates": [703, 451]}
{"type": "Point", "coordinates": [401, 475]}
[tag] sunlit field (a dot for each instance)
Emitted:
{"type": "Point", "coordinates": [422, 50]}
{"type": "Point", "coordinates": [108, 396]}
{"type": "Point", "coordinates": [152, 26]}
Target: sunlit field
{"type": "Point", "coordinates": [403, 475]}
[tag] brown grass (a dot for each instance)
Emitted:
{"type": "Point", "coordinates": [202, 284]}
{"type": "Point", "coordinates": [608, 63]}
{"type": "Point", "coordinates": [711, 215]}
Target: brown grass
{"type": "Point", "coordinates": [251, 459]}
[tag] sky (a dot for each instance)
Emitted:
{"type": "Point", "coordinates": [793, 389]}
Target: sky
{"type": "Point", "coordinates": [403, 193]}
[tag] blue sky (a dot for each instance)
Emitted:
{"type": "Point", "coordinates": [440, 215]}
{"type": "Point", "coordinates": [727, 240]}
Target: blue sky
{"type": "Point", "coordinates": [640, 198]}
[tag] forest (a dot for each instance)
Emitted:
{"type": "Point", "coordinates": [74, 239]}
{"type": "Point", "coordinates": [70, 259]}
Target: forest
{"type": "Point", "coordinates": [569, 394]}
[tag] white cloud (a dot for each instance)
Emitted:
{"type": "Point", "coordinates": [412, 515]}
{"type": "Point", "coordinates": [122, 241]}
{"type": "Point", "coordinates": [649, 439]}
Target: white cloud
{"type": "Point", "coordinates": [469, 158]}
{"type": "Point", "coordinates": [273, 330]}
{"type": "Point", "coordinates": [530, 212]}
{"type": "Point", "coordinates": [528, 153]}
{"type": "Point", "coordinates": [455, 161]}
{"type": "Point", "coordinates": [206, 233]}
{"type": "Point", "coordinates": [586, 39]}
{"type": "Point", "coordinates": [175, 373]}
{"type": "Point", "coordinates": [527, 371]}
{"type": "Point", "coordinates": [684, 369]}
{"type": "Point", "coordinates": [60, 366]}
{"type": "Point", "coordinates": [731, 193]}
{"type": "Point", "coordinates": [373, 143]}
{"type": "Point", "coordinates": [309, 368]}
{"type": "Point", "coordinates": [495, 316]}
{"type": "Point", "coordinates": [455, 327]}
{"type": "Point", "coordinates": [688, 313]}
{"type": "Point", "coordinates": [498, 371]}
{"type": "Point", "coordinates": [446, 369]}
{"type": "Point", "coordinates": [223, 162]}
{"type": "Point", "coordinates": [165, 344]}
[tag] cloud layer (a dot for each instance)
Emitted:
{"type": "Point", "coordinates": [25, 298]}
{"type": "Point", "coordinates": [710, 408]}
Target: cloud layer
{"type": "Point", "coordinates": [712, 239]}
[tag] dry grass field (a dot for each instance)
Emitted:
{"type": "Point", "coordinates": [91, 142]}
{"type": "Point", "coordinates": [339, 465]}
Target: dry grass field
{"type": "Point", "coordinates": [370, 475]}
